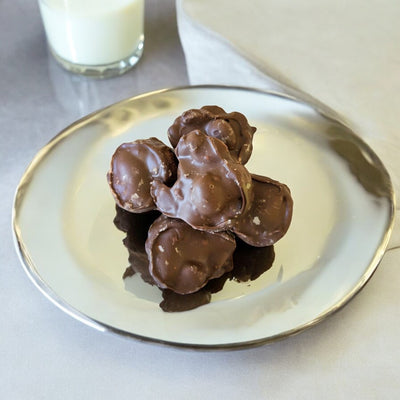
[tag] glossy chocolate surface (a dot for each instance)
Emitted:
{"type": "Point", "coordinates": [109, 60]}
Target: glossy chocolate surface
{"type": "Point", "coordinates": [232, 128]}
{"type": "Point", "coordinates": [134, 166]}
{"type": "Point", "coordinates": [184, 259]}
{"type": "Point", "coordinates": [269, 216]}
{"type": "Point", "coordinates": [212, 188]}
{"type": "Point", "coordinates": [182, 208]}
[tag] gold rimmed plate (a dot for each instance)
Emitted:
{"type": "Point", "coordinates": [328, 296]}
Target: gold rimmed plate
{"type": "Point", "coordinates": [342, 219]}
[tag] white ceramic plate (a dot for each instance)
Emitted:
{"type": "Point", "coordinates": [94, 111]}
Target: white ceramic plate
{"type": "Point", "coordinates": [343, 216]}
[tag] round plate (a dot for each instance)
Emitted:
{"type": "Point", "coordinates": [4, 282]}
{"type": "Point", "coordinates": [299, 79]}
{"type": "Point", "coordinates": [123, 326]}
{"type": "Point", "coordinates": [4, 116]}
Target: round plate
{"type": "Point", "coordinates": [342, 220]}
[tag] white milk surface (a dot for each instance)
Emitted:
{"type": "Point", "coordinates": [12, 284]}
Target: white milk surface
{"type": "Point", "coordinates": [93, 32]}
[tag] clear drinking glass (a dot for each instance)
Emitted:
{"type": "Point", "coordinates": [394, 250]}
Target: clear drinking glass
{"type": "Point", "coordinates": [98, 38]}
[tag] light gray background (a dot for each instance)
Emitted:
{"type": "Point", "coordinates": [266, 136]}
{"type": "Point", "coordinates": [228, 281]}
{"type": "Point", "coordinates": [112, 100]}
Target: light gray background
{"type": "Point", "coordinates": [45, 354]}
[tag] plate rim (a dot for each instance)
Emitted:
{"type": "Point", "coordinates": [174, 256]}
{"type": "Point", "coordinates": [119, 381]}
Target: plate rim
{"type": "Point", "coordinates": [30, 268]}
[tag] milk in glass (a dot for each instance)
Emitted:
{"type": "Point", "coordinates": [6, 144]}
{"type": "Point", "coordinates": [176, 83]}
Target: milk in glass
{"type": "Point", "coordinates": [94, 33]}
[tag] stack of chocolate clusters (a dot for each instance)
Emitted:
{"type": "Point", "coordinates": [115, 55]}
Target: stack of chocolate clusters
{"type": "Point", "coordinates": [205, 197]}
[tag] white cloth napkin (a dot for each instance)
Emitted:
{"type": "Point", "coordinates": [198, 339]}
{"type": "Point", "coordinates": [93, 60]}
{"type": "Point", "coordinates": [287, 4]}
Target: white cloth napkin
{"type": "Point", "coordinates": [346, 55]}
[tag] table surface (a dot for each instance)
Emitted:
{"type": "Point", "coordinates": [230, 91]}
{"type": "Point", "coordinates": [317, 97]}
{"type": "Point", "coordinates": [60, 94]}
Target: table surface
{"type": "Point", "coordinates": [45, 354]}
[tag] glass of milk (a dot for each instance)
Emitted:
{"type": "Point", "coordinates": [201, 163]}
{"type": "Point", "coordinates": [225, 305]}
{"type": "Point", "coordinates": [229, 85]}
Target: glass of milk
{"type": "Point", "coordinates": [99, 38]}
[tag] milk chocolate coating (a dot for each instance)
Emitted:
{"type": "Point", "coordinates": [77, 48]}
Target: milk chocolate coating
{"type": "Point", "coordinates": [212, 189]}
{"type": "Point", "coordinates": [134, 166]}
{"type": "Point", "coordinates": [232, 128]}
{"type": "Point", "coordinates": [184, 259]}
{"type": "Point", "coordinates": [269, 216]}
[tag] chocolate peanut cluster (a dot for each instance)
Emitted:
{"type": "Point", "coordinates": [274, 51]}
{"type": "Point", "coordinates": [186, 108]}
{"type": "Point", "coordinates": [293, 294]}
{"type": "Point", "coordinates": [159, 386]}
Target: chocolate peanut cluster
{"type": "Point", "coordinates": [231, 128]}
{"type": "Point", "coordinates": [204, 199]}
